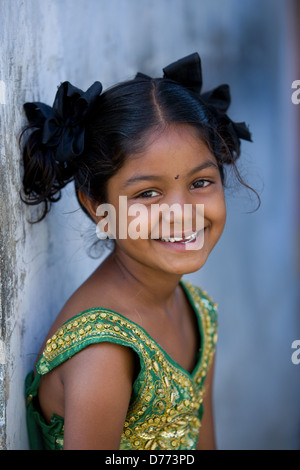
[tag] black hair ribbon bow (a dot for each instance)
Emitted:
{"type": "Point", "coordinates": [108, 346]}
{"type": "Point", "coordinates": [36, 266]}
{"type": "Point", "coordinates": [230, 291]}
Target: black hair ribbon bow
{"type": "Point", "coordinates": [63, 123]}
{"type": "Point", "coordinates": [188, 73]}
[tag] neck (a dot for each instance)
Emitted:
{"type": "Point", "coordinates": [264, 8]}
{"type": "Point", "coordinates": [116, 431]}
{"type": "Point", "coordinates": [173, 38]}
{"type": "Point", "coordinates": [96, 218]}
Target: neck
{"type": "Point", "coordinates": [148, 286]}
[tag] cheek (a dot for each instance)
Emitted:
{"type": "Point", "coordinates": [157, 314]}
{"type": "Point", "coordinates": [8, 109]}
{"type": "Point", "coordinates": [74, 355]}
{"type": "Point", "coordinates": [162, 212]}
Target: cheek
{"type": "Point", "coordinates": [138, 221]}
{"type": "Point", "coordinates": [215, 209]}
{"type": "Point", "coordinates": [221, 208]}
{"type": "Point", "coordinates": [132, 220]}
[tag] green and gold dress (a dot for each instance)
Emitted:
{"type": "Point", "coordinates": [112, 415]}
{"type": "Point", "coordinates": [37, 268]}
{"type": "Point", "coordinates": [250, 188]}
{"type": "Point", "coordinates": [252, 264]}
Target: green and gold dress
{"type": "Point", "coordinates": [166, 404]}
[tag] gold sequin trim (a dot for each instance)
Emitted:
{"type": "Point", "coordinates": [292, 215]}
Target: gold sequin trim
{"type": "Point", "coordinates": [164, 412]}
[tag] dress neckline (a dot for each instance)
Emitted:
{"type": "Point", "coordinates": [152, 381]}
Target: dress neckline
{"type": "Point", "coordinates": [199, 316]}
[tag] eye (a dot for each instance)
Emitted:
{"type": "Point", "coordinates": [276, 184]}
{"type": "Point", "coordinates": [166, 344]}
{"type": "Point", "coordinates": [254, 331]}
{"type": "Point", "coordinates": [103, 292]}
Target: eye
{"type": "Point", "coordinates": [148, 194]}
{"type": "Point", "coordinates": [201, 183]}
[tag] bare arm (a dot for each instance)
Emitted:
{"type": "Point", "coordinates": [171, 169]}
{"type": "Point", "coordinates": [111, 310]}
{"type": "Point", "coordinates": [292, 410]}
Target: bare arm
{"type": "Point", "coordinates": [97, 389]}
{"type": "Point", "coordinates": [206, 440]}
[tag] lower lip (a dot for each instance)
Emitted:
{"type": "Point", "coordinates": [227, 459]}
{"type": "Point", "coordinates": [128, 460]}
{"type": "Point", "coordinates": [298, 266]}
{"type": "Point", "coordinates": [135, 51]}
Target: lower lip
{"type": "Point", "coordinates": [180, 246]}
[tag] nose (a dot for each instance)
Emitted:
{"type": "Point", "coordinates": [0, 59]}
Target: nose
{"type": "Point", "coordinates": [173, 210]}
{"type": "Point", "coordinates": [177, 216]}
{"type": "Point", "coordinates": [178, 198]}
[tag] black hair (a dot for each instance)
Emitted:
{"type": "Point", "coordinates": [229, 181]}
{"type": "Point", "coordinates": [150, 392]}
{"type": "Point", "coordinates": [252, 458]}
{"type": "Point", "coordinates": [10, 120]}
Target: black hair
{"type": "Point", "coordinates": [118, 125]}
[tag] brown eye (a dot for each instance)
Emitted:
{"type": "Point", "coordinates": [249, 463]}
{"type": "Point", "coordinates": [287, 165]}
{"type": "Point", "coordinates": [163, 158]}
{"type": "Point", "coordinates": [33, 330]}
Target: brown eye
{"type": "Point", "coordinates": [201, 183]}
{"type": "Point", "coordinates": [148, 194]}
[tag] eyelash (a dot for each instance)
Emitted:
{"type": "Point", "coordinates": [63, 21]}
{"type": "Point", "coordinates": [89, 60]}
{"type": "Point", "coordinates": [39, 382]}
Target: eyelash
{"type": "Point", "coordinates": [202, 181]}
{"type": "Point", "coordinates": [145, 192]}
{"type": "Point", "coordinates": [141, 195]}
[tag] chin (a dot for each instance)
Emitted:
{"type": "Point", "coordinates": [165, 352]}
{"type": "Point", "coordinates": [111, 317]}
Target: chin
{"type": "Point", "coordinates": [181, 268]}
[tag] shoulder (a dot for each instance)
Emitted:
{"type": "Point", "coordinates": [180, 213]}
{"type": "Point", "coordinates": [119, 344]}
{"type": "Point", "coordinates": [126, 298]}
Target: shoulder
{"type": "Point", "coordinates": [91, 294]}
{"type": "Point", "coordinates": [90, 327]}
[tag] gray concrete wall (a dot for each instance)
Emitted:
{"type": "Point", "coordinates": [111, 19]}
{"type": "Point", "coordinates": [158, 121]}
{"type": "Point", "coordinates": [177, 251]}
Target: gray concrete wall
{"type": "Point", "coordinates": [252, 274]}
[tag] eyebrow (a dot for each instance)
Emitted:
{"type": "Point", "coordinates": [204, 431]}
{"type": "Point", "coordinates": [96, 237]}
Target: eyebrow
{"type": "Point", "coordinates": [137, 178]}
{"type": "Point", "coordinates": [207, 164]}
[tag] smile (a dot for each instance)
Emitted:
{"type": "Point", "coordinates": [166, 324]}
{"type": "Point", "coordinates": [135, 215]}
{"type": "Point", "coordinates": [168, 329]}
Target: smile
{"type": "Point", "coordinates": [180, 239]}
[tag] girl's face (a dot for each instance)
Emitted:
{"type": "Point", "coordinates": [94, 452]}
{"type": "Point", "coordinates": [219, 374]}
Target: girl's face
{"type": "Point", "coordinates": [176, 167]}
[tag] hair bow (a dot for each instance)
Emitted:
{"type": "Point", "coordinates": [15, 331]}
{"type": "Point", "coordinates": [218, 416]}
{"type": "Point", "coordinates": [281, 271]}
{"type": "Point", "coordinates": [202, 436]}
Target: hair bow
{"type": "Point", "coordinates": [63, 124]}
{"type": "Point", "coordinates": [188, 73]}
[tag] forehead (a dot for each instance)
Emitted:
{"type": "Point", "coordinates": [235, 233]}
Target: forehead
{"type": "Point", "coordinates": [177, 145]}
{"type": "Point", "coordinates": [176, 151]}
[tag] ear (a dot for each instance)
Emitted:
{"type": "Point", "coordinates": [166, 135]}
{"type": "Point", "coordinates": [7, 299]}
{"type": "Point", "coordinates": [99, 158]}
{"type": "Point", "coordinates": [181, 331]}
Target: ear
{"type": "Point", "coordinates": [90, 205]}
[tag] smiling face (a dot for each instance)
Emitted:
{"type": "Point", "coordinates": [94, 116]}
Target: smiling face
{"type": "Point", "coordinates": [176, 168]}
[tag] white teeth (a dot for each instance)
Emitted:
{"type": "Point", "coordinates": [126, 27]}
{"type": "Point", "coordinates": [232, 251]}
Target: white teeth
{"type": "Point", "coordinates": [185, 240]}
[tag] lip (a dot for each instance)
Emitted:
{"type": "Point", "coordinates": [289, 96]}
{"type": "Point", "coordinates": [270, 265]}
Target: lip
{"type": "Point", "coordinates": [180, 245]}
{"type": "Point", "coordinates": [180, 238]}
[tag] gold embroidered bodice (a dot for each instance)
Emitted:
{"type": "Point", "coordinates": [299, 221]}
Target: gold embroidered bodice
{"type": "Point", "coordinates": [166, 406]}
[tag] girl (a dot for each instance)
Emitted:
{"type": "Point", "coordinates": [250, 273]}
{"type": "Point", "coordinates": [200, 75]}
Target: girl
{"type": "Point", "coordinates": [141, 341]}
